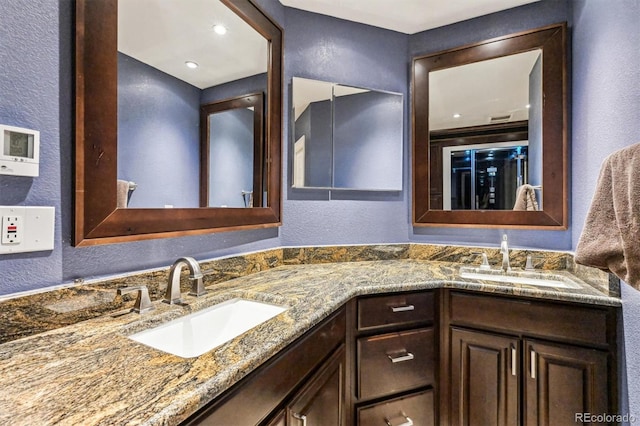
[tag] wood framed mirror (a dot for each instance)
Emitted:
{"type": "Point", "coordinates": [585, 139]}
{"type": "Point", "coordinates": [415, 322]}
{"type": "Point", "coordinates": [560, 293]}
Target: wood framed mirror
{"type": "Point", "coordinates": [488, 118]}
{"type": "Point", "coordinates": [98, 219]}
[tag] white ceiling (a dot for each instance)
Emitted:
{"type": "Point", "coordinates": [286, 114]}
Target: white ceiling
{"type": "Point", "coordinates": [406, 16]}
{"type": "Point", "coordinates": [481, 91]}
{"type": "Point", "coordinates": [166, 33]}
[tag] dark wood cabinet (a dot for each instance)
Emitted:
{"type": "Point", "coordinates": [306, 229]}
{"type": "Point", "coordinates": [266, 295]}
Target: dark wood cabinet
{"type": "Point", "coordinates": [321, 401]}
{"type": "Point", "coordinates": [394, 340]}
{"type": "Point", "coordinates": [446, 357]}
{"type": "Point", "coordinates": [484, 378]}
{"type": "Point", "coordinates": [527, 362]}
{"type": "Point", "coordinates": [563, 381]}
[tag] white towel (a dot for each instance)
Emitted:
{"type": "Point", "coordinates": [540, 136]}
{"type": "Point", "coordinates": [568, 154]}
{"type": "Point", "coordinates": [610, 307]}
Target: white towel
{"type": "Point", "coordinates": [526, 198]}
{"type": "Point", "coordinates": [122, 193]}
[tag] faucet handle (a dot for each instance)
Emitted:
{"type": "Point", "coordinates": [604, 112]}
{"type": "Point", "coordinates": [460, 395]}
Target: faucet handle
{"type": "Point", "coordinates": [197, 286]}
{"type": "Point", "coordinates": [529, 264]}
{"type": "Point", "coordinates": [143, 302]}
{"type": "Point", "coordinates": [485, 260]}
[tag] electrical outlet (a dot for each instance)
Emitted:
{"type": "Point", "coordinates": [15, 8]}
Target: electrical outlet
{"type": "Point", "coordinates": [12, 229]}
{"type": "Point", "coordinates": [26, 228]}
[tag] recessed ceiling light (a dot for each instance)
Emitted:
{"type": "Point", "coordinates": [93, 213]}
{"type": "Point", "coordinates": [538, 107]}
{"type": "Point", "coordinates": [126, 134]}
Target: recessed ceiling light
{"type": "Point", "coordinates": [191, 64]}
{"type": "Point", "coordinates": [220, 29]}
{"type": "Point", "coordinates": [528, 106]}
{"type": "Point", "coordinates": [456, 115]}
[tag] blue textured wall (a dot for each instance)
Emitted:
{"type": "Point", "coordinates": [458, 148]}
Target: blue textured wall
{"type": "Point", "coordinates": [367, 127]}
{"type": "Point", "coordinates": [606, 117]}
{"type": "Point", "coordinates": [535, 125]}
{"type": "Point", "coordinates": [328, 49]}
{"type": "Point", "coordinates": [158, 136]}
{"type": "Point", "coordinates": [32, 96]}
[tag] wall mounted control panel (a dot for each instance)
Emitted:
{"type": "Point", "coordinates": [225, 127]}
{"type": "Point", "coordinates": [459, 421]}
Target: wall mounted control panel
{"type": "Point", "coordinates": [24, 229]}
{"type": "Point", "coordinates": [19, 151]}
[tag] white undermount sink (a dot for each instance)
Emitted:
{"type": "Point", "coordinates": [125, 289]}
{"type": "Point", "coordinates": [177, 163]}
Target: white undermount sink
{"type": "Point", "coordinates": [542, 279]}
{"type": "Point", "coordinates": [199, 332]}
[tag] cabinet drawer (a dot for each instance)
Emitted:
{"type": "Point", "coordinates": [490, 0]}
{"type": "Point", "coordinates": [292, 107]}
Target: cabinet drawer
{"type": "Point", "coordinates": [395, 362]}
{"type": "Point", "coordinates": [395, 309]}
{"type": "Point", "coordinates": [564, 322]}
{"type": "Point", "coordinates": [416, 409]}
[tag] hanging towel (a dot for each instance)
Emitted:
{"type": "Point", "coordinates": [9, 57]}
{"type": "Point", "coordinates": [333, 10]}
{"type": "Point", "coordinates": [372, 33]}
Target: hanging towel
{"type": "Point", "coordinates": [122, 193]}
{"type": "Point", "coordinates": [610, 239]}
{"type": "Point", "coordinates": [526, 198]}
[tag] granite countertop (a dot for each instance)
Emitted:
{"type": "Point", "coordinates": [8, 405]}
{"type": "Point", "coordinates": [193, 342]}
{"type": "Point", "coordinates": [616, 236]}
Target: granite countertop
{"type": "Point", "coordinates": [90, 373]}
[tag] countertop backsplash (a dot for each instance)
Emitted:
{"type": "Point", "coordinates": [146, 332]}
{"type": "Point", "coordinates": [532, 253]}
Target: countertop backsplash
{"type": "Point", "coordinates": [48, 310]}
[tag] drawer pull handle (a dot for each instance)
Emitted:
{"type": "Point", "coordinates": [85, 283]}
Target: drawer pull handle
{"type": "Point", "coordinates": [514, 355]}
{"type": "Point", "coordinates": [407, 422]}
{"type": "Point", "coordinates": [300, 417]}
{"type": "Point", "coordinates": [404, 308]}
{"type": "Point", "coordinates": [407, 356]}
{"type": "Point", "coordinates": [533, 364]}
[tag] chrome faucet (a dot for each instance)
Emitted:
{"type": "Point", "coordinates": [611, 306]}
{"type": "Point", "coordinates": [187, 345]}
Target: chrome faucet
{"type": "Point", "coordinates": [172, 295]}
{"type": "Point", "coordinates": [504, 249]}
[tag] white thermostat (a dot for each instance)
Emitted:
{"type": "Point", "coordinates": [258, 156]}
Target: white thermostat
{"type": "Point", "coordinates": [20, 153]}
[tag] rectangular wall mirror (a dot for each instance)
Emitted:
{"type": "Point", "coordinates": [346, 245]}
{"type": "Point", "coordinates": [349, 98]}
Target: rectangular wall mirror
{"type": "Point", "coordinates": [490, 127]}
{"type": "Point", "coordinates": [163, 87]}
{"type": "Point", "coordinates": [346, 137]}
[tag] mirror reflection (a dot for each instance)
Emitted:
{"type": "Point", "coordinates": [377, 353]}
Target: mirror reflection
{"type": "Point", "coordinates": [346, 137]}
{"type": "Point", "coordinates": [173, 58]}
{"type": "Point", "coordinates": [485, 121]}
{"type": "Point", "coordinates": [232, 141]}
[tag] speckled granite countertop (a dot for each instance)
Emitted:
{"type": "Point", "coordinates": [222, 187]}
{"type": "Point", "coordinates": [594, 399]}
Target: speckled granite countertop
{"type": "Point", "coordinates": [90, 372]}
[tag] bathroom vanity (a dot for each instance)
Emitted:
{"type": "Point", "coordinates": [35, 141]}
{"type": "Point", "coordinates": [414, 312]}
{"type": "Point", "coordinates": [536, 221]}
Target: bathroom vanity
{"type": "Point", "coordinates": [397, 340]}
{"type": "Point", "coordinates": [484, 360]}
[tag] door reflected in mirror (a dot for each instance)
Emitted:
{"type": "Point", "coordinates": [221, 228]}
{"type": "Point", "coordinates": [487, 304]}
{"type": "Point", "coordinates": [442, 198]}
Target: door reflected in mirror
{"type": "Point", "coordinates": [346, 137]}
{"type": "Point", "coordinates": [172, 60]}
{"type": "Point", "coordinates": [232, 146]}
{"type": "Point", "coordinates": [496, 97]}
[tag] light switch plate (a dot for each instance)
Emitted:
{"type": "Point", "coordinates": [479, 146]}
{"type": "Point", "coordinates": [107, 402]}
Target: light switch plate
{"type": "Point", "coordinates": [34, 231]}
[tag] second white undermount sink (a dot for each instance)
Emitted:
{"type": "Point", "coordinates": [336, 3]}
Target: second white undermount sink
{"type": "Point", "coordinates": [542, 279]}
{"type": "Point", "coordinates": [194, 334]}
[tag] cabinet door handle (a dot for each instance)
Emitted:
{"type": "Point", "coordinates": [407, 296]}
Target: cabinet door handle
{"type": "Point", "coordinates": [407, 422]}
{"type": "Point", "coordinates": [407, 356]}
{"type": "Point", "coordinates": [514, 355]}
{"type": "Point", "coordinates": [533, 364]}
{"type": "Point", "coordinates": [301, 417]}
{"type": "Point", "coordinates": [404, 308]}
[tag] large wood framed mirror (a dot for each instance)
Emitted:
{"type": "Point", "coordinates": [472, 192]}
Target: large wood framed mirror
{"type": "Point", "coordinates": [488, 120]}
{"type": "Point", "coordinates": [138, 138]}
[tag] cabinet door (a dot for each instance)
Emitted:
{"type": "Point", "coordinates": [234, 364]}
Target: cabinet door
{"type": "Point", "coordinates": [564, 382]}
{"type": "Point", "coordinates": [484, 378]}
{"type": "Point", "coordinates": [279, 419]}
{"type": "Point", "coordinates": [321, 400]}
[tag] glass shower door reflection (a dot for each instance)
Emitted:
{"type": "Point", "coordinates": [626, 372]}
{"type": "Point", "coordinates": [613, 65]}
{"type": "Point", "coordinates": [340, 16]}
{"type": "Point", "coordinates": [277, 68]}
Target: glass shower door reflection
{"type": "Point", "coordinates": [484, 177]}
